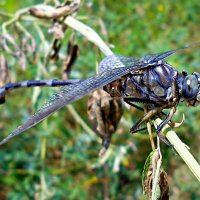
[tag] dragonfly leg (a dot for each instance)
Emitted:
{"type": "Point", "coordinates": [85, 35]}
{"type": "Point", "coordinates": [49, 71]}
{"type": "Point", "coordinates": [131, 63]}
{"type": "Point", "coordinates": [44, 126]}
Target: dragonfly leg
{"type": "Point", "coordinates": [146, 117]}
{"type": "Point", "coordinates": [162, 138]}
{"type": "Point", "coordinates": [141, 129]}
{"type": "Point", "coordinates": [129, 101]}
{"type": "Point", "coordinates": [132, 104]}
{"type": "Point", "coordinates": [150, 114]}
{"type": "Point", "coordinates": [166, 120]}
{"type": "Point", "coordinates": [163, 123]}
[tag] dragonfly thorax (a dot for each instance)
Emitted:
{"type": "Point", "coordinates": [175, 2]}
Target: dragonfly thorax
{"type": "Point", "coordinates": [148, 85]}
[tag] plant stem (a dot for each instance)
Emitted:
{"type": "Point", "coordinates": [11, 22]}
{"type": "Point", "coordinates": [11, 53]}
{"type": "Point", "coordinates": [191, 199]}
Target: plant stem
{"type": "Point", "coordinates": [182, 149]}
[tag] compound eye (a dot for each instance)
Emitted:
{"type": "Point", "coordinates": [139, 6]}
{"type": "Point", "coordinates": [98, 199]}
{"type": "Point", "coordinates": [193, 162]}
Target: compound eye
{"type": "Point", "coordinates": [190, 87]}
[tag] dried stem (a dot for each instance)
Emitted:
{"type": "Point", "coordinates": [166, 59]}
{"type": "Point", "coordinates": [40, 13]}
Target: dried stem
{"type": "Point", "coordinates": [14, 19]}
{"type": "Point", "coordinates": [149, 131]}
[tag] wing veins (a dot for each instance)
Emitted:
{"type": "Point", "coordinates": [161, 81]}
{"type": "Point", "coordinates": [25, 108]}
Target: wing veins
{"type": "Point", "coordinates": [69, 94]}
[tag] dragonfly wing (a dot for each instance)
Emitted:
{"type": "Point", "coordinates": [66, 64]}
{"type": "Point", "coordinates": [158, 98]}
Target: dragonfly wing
{"type": "Point", "coordinates": [161, 56]}
{"type": "Point", "coordinates": [117, 61]}
{"type": "Point", "coordinates": [70, 93]}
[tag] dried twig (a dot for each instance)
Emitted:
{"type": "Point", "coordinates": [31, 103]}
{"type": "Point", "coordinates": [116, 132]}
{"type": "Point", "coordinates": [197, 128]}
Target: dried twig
{"type": "Point", "coordinates": [150, 131]}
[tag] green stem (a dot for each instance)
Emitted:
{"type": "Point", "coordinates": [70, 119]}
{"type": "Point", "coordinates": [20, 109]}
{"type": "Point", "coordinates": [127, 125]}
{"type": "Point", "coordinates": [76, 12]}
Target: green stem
{"type": "Point", "coordinates": [182, 149]}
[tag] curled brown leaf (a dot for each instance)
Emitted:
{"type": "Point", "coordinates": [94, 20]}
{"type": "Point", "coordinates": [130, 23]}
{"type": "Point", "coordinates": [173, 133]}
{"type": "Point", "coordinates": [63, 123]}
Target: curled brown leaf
{"type": "Point", "coordinates": [104, 112]}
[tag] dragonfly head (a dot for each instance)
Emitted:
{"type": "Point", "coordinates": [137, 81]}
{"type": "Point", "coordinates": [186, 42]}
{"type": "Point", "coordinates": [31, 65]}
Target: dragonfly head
{"type": "Point", "coordinates": [191, 89]}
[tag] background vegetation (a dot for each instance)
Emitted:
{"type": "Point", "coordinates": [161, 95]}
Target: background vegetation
{"type": "Point", "coordinates": [58, 159]}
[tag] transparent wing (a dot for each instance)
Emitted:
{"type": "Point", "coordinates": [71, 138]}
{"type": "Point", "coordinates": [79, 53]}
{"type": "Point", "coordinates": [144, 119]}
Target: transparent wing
{"type": "Point", "coordinates": [161, 56]}
{"type": "Point", "coordinates": [117, 61]}
{"type": "Point", "coordinates": [71, 93]}
{"type": "Point", "coordinates": [151, 58]}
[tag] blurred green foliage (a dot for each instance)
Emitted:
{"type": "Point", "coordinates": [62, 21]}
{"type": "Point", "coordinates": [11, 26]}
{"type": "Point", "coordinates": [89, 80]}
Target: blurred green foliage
{"type": "Point", "coordinates": [58, 159]}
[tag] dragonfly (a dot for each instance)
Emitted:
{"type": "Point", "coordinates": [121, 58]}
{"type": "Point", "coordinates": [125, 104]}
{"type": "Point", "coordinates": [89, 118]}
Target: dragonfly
{"type": "Point", "coordinates": [149, 80]}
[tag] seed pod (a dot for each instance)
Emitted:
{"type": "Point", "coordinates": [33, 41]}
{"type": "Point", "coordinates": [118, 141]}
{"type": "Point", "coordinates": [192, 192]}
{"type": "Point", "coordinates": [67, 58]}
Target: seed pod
{"type": "Point", "coordinates": [104, 112]}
